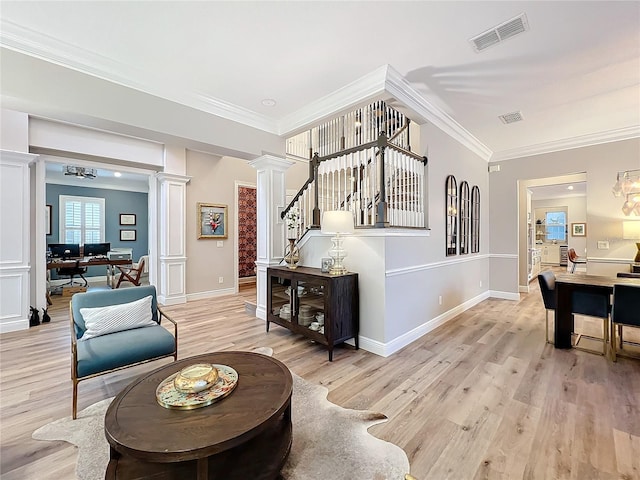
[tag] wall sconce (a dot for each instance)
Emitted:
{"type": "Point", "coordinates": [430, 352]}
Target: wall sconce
{"type": "Point", "coordinates": [628, 185]}
{"type": "Point", "coordinates": [338, 222]}
{"type": "Point", "coordinates": [631, 231]}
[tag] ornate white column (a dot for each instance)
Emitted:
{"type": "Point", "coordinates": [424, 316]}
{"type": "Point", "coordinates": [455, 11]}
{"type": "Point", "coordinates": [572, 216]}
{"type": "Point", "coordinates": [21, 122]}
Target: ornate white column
{"type": "Point", "coordinates": [271, 194]}
{"type": "Point", "coordinates": [15, 240]}
{"type": "Point", "coordinates": [172, 220]}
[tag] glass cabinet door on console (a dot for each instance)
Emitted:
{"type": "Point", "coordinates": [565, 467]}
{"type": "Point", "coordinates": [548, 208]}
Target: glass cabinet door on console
{"type": "Point", "coordinates": [317, 305]}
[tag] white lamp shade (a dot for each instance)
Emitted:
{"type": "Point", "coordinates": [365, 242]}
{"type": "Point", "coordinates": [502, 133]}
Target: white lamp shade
{"type": "Point", "coordinates": [631, 230]}
{"type": "Point", "coordinates": [337, 221]}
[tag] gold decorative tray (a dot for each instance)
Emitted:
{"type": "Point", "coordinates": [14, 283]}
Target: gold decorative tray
{"type": "Point", "coordinates": [169, 397]}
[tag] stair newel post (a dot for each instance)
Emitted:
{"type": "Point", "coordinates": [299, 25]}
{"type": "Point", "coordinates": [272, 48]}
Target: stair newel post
{"type": "Point", "coordinates": [381, 207]}
{"type": "Point", "coordinates": [313, 172]}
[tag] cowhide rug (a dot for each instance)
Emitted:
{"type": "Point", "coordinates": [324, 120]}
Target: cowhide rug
{"type": "Point", "coordinates": [329, 442]}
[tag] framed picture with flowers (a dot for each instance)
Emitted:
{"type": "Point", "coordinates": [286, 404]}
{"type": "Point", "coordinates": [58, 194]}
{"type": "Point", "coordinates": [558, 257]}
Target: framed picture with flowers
{"type": "Point", "coordinates": [212, 220]}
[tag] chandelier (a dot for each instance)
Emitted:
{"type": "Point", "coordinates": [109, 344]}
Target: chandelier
{"type": "Point", "coordinates": [80, 172]}
{"type": "Point", "coordinates": [628, 186]}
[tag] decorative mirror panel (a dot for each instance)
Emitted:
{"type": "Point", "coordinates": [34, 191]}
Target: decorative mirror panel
{"type": "Point", "coordinates": [465, 218]}
{"type": "Point", "coordinates": [475, 219]}
{"type": "Point", "coordinates": [451, 201]}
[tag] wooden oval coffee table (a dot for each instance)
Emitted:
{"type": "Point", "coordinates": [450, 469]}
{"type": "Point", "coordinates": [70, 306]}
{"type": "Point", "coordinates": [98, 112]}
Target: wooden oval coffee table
{"type": "Point", "coordinates": [245, 435]}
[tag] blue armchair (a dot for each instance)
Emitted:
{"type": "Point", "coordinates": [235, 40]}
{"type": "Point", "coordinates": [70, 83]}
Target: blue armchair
{"type": "Point", "coordinates": [114, 329]}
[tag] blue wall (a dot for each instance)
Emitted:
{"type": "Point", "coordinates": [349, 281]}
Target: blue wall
{"type": "Point", "coordinates": [116, 202]}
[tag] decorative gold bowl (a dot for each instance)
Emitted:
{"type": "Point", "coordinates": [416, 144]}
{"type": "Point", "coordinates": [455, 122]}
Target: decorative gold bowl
{"type": "Point", "coordinates": [196, 378]}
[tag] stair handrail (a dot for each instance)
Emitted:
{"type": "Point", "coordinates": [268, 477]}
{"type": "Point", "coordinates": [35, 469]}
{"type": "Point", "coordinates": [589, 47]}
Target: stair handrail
{"type": "Point", "coordinates": [382, 143]}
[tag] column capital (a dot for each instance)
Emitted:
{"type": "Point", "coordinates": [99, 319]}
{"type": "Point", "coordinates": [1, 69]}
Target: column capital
{"type": "Point", "coordinates": [172, 177]}
{"type": "Point", "coordinates": [13, 156]}
{"type": "Point", "coordinates": [272, 162]}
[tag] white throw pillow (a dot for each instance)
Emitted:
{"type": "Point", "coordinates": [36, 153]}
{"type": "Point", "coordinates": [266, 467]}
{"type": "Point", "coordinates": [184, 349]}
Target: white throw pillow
{"type": "Point", "coordinates": [116, 318]}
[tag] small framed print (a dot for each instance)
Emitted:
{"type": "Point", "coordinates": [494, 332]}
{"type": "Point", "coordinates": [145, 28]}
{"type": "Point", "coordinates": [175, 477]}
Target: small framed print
{"type": "Point", "coordinates": [212, 221]}
{"type": "Point", "coordinates": [127, 235]}
{"type": "Point", "coordinates": [578, 229]}
{"type": "Point", "coordinates": [326, 264]}
{"type": "Point", "coordinates": [127, 219]}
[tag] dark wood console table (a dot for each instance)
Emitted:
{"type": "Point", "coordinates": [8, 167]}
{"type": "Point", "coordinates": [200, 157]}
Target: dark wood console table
{"type": "Point", "coordinates": [296, 296]}
{"type": "Point", "coordinates": [245, 435]}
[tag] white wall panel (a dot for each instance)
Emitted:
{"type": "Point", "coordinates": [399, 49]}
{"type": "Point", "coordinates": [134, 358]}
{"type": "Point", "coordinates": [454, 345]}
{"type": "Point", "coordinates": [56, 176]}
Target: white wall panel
{"type": "Point", "coordinates": [71, 138]}
{"type": "Point", "coordinates": [15, 239]}
{"type": "Point", "coordinates": [172, 223]}
{"type": "Point", "coordinates": [15, 218]}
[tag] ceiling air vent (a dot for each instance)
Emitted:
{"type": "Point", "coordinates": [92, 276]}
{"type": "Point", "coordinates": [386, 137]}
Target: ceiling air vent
{"type": "Point", "coordinates": [511, 117]}
{"type": "Point", "coordinates": [500, 33]}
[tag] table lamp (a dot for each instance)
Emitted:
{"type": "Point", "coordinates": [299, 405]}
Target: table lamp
{"type": "Point", "coordinates": [631, 231]}
{"type": "Point", "coordinates": [337, 222]}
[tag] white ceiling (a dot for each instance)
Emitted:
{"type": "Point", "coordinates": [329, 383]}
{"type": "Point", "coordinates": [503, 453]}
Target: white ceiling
{"type": "Point", "coordinates": [575, 75]}
{"type": "Point", "coordinates": [105, 178]}
{"type": "Point", "coordinates": [560, 190]}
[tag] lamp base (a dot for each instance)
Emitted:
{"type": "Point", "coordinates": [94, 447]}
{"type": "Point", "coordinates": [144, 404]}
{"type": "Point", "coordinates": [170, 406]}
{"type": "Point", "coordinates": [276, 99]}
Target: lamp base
{"type": "Point", "coordinates": [637, 259]}
{"type": "Point", "coordinates": [337, 253]}
{"type": "Point", "coordinates": [338, 270]}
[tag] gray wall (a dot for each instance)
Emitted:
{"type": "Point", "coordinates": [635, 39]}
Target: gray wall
{"type": "Point", "coordinates": [604, 215]}
{"type": "Point", "coordinates": [116, 202]}
{"type": "Point", "coordinates": [213, 180]}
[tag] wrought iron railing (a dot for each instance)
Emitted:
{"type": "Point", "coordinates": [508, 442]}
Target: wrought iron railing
{"type": "Point", "coordinates": [351, 130]}
{"type": "Point", "coordinates": [381, 183]}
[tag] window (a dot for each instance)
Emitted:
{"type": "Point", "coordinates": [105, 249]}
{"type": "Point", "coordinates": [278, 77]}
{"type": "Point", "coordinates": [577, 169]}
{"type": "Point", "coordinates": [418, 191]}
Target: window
{"type": "Point", "coordinates": [81, 219]}
{"type": "Point", "coordinates": [556, 223]}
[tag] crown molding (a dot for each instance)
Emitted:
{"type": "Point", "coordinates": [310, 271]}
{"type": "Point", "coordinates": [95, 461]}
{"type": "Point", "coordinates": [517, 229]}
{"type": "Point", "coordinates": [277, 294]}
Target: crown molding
{"type": "Point", "coordinates": [403, 91]}
{"type": "Point", "coordinates": [35, 44]}
{"type": "Point", "coordinates": [357, 92]}
{"type": "Point", "coordinates": [569, 143]}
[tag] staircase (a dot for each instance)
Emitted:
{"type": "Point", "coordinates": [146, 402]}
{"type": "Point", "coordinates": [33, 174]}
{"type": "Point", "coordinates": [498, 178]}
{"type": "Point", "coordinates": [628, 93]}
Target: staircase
{"type": "Point", "coordinates": [363, 164]}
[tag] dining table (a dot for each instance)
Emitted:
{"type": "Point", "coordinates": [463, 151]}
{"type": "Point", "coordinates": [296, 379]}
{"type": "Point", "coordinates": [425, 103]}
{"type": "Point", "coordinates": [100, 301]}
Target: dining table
{"type": "Point", "coordinates": [566, 285]}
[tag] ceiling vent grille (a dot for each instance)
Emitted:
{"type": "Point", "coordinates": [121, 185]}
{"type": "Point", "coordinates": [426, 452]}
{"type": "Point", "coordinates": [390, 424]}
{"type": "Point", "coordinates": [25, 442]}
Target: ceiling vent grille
{"type": "Point", "coordinates": [498, 34]}
{"type": "Point", "coordinates": [511, 117]}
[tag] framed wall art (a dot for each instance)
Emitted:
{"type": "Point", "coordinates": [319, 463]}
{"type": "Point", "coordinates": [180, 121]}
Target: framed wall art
{"type": "Point", "coordinates": [578, 229]}
{"type": "Point", "coordinates": [127, 235]}
{"type": "Point", "coordinates": [212, 220]}
{"type": "Point", "coordinates": [127, 219]}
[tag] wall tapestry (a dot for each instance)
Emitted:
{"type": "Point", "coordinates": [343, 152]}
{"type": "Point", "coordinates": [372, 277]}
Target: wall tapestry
{"type": "Point", "coordinates": [247, 231]}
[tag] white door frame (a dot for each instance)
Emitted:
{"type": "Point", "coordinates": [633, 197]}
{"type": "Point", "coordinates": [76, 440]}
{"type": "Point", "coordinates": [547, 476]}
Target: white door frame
{"type": "Point", "coordinates": [152, 201]}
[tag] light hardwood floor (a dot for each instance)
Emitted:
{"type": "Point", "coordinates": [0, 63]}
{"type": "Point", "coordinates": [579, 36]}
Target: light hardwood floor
{"type": "Point", "coordinates": [482, 397]}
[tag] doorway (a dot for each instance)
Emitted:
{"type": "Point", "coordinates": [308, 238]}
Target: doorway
{"type": "Point", "coordinates": [247, 234]}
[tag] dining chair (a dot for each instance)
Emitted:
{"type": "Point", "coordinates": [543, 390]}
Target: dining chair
{"type": "Point", "coordinates": [588, 304]}
{"type": "Point", "coordinates": [547, 281]}
{"type": "Point", "coordinates": [575, 259]}
{"type": "Point", "coordinates": [593, 305]}
{"type": "Point", "coordinates": [625, 312]}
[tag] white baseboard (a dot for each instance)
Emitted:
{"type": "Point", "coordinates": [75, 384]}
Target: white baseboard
{"type": "Point", "coordinates": [210, 294]}
{"type": "Point", "coordinates": [14, 325]}
{"type": "Point", "coordinates": [386, 349]}
{"type": "Point", "coordinates": [177, 300]}
{"type": "Point", "coordinates": [504, 295]}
